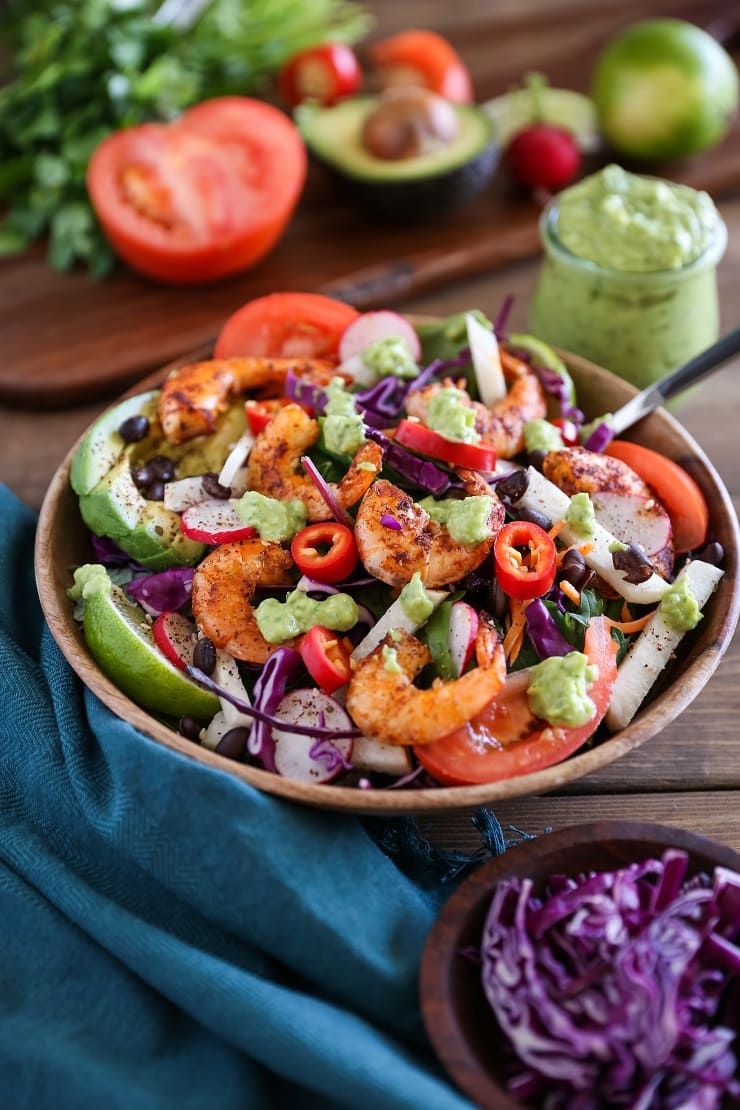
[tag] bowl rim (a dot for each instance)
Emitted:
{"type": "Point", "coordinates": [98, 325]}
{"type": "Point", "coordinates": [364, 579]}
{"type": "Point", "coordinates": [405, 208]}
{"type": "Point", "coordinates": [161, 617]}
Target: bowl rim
{"type": "Point", "coordinates": [444, 941]}
{"type": "Point", "coordinates": [659, 712]}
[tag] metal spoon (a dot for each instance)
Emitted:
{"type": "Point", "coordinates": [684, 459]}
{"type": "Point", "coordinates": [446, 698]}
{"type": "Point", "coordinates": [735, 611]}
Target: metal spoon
{"type": "Point", "coordinates": [697, 368]}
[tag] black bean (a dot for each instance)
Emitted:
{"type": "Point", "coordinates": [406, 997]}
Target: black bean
{"type": "Point", "coordinates": [213, 487]}
{"type": "Point", "coordinates": [154, 491]}
{"type": "Point", "coordinates": [512, 488]}
{"type": "Point", "coordinates": [499, 600]}
{"type": "Point", "coordinates": [533, 517]}
{"type": "Point", "coordinates": [713, 553]}
{"type": "Point", "coordinates": [162, 467]}
{"type": "Point", "coordinates": [536, 459]}
{"type": "Point", "coordinates": [189, 728]}
{"type": "Point", "coordinates": [204, 655]}
{"type": "Point", "coordinates": [141, 476]}
{"type": "Point", "coordinates": [134, 429]}
{"type": "Point", "coordinates": [634, 562]}
{"type": "Point", "coordinates": [233, 743]}
{"type": "Point", "coordinates": [573, 569]}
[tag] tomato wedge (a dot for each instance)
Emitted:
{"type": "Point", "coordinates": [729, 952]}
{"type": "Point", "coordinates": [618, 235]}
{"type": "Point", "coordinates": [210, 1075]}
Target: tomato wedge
{"type": "Point", "coordinates": [530, 576]}
{"type": "Point", "coordinates": [326, 551]}
{"type": "Point", "coordinates": [325, 73]}
{"type": "Point", "coordinates": [290, 325]}
{"type": "Point", "coordinates": [676, 490]}
{"type": "Point", "coordinates": [326, 658]}
{"type": "Point", "coordinates": [203, 197]}
{"type": "Point", "coordinates": [506, 740]}
{"type": "Point", "coordinates": [423, 58]}
{"type": "Point", "coordinates": [473, 456]}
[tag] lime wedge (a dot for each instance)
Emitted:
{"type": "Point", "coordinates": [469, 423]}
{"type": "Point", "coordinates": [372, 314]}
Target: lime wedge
{"type": "Point", "coordinates": [563, 107]}
{"type": "Point", "coordinates": [119, 635]}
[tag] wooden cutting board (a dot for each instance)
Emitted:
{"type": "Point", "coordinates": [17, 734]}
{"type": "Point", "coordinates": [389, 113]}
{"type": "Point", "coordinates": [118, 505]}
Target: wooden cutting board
{"type": "Point", "coordinates": [67, 339]}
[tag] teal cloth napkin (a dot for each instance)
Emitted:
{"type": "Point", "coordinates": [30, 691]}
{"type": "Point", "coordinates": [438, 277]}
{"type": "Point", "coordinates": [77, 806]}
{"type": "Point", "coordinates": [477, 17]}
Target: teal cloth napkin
{"type": "Point", "coordinates": [170, 937]}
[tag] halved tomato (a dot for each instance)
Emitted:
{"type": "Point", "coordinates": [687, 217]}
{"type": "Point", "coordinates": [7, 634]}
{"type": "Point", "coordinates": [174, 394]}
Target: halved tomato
{"type": "Point", "coordinates": [506, 739]}
{"type": "Point", "coordinates": [289, 325]}
{"type": "Point", "coordinates": [203, 197]}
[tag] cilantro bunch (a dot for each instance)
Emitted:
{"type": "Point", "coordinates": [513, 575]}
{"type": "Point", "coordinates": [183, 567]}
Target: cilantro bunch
{"type": "Point", "coordinates": [79, 69]}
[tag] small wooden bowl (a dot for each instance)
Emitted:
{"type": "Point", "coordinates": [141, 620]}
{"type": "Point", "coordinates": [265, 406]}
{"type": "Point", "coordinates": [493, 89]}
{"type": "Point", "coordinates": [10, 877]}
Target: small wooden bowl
{"type": "Point", "coordinates": [62, 543]}
{"type": "Point", "coordinates": [458, 1019]}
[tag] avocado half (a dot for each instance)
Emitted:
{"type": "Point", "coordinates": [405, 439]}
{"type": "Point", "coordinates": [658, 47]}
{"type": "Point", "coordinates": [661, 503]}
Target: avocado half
{"type": "Point", "coordinates": [409, 188]}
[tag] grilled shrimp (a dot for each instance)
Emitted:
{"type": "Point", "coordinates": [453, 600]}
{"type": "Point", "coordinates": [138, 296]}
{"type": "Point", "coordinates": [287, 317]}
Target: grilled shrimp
{"type": "Point", "coordinates": [388, 707]}
{"type": "Point", "coordinates": [420, 544]}
{"type": "Point", "coordinates": [194, 396]}
{"type": "Point", "coordinates": [223, 587]}
{"type": "Point", "coordinates": [575, 470]}
{"type": "Point", "coordinates": [503, 424]}
{"type": "Point", "coordinates": [274, 466]}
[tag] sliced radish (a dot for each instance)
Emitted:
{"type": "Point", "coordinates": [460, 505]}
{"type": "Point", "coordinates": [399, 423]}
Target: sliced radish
{"type": "Point", "coordinates": [372, 326]}
{"type": "Point", "coordinates": [226, 674]}
{"type": "Point", "coordinates": [486, 360]}
{"type": "Point", "coordinates": [215, 522]}
{"type": "Point", "coordinates": [235, 460]}
{"type": "Point", "coordinates": [461, 636]}
{"type": "Point", "coordinates": [175, 636]}
{"type": "Point", "coordinates": [183, 493]}
{"type": "Point", "coordinates": [356, 369]}
{"type": "Point", "coordinates": [293, 752]}
{"type": "Point", "coordinates": [633, 519]}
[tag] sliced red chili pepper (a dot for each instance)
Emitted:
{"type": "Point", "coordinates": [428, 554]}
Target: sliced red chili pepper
{"type": "Point", "coordinates": [337, 559]}
{"type": "Point", "coordinates": [326, 658]}
{"type": "Point", "coordinates": [528, 575]}
{"type": "Point", "coordinates": [568, 431]}
{"type": "Point", "coordinates": [472, 456]}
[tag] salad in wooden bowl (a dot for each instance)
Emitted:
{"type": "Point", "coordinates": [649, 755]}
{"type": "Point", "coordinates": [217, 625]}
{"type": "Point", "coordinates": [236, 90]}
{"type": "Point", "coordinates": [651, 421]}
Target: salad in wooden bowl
{"type": "Point", "coordinates": [378, 564]}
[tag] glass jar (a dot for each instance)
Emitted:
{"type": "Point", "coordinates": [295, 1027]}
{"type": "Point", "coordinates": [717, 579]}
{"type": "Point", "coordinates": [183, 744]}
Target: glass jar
{"type": "Point", "coordinates": [640, 325]}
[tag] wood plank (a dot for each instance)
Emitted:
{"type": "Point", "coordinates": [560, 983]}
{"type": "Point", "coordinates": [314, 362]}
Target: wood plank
{"type": "Point", "coordinates": [715, 814]}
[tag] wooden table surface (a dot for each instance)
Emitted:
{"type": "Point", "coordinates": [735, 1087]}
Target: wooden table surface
{"type": "Point", "coordinates": [690, 774]}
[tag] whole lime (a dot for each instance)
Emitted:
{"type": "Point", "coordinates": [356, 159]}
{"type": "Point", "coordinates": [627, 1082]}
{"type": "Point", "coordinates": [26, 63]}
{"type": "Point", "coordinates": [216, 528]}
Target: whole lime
{"type": "Point", "coordinates": [664, 88]}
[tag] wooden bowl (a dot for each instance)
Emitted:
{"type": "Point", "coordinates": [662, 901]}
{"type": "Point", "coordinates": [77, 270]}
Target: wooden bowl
{"type": "Point", "coordinates": [62, 543]}
{"type": "Point", "coordinates": [456, 1013]}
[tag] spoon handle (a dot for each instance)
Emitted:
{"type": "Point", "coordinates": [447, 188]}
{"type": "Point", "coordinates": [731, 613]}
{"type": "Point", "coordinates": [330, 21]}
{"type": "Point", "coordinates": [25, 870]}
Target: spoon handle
{"type": "Point", "coordinates": [701, 365]}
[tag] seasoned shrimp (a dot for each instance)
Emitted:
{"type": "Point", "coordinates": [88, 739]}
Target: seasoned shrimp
{"type": "Point", "coordinates": [274, 466]}
{"type": "Point", "coordinates": [503, 424]}
{"type": "Point", "coordinates": [194, 396]}
{"type": "Point", "coordinates": [388, 707]}
{"type": "Point", "coordinates": [393, 555]}
{"type": "Point", "coordinates": [223, 587]}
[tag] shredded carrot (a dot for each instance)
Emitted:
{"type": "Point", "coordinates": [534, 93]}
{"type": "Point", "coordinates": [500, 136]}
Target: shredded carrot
{"type": "Point", "coordinates": [514, 637]}
{"type": "Point", "coordinates": [556, 529]}
{"type": "Point", "coordinates": [570, 591]}
{"type": "Point", "coordinates": [626, 615]}
{"type": "Point", "coordinates": [628, 627]}
{"type": "Point", "coordinates": [586, 548]}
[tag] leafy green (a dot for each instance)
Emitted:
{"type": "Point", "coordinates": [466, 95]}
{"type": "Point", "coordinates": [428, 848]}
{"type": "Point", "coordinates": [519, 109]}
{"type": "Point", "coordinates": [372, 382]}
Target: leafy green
{"type": "Point", "coordinates": [81, 69]}
{"type": "Point", "coordinates": [435, 635]}
{"type": "Point", "coordinates": [573, 623]}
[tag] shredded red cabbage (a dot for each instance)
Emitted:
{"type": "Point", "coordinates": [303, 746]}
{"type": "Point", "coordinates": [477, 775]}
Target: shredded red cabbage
{"type": "Point", "coordinates": [600, 437]}
{"type": "Point", "coordinates": [305, 393]}
{"type": "Point", "coordinates": [419, 471]}
{"type": "Point", "coordinates": [164, 592]}
{"type": "Point", "coordinates": [107, 552]}
{"type": "Point", "coordinates": [503, 315]}
{"type": "Point", "coordinates": [326, 492]}
{"type": "Point", "coordinates": [546, 637]}
{"type": "Point", "coordinates": [607, 990]}
{"type": "Point", "coordinates": [389, 521]}
{"type": "Point", "coordinates": [328, 753]}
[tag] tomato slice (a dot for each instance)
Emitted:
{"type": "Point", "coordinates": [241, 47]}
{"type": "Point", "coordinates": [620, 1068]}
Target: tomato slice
{"type": "Point", "coordinates": [506, 740]}
{"type": "Point", "coordinates": [333, 564]}
{"type": "Point", "coordinates": [203, 197]}
{"type": "Point", "coordinates": [676, 490]}
{"type": "Point", "coordinates": [473, 456]}
{"type": "Point", "coordinates": [325, 73]}
{"type": "Point", "coordinates": [529, 576]}
{"type": "Point", "coordinates": [326, 658]}
{"type": "Point", "coordinates": [290, 325]}
{"type": "Point", "coordinates": [423, 58]}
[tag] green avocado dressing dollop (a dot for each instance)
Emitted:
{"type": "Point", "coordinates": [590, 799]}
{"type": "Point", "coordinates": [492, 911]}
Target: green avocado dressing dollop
{"type": "Point", "coordinates": [541, 435]}
{"type": "Point", "coordinates": [581, 517]}
{"type": "Point", "coordinates": [279, 621]}
{"type": "Point", "coordinates": [344, 431]}
{"type": "Point", "coordinates": [679, 607]}
{"type": "Point", "coordinates": [415, 600]}
{"type": "Point", "coordinates": [558, 689]}
{"type": "Point", "coordinates": [276, 521]}
{"type": "Point", "coordinates": [467, 520]}
{"type": "Point", "coordinates": [450, 416]}
{"type": "Point", "coordinates": [628, 222]}
{"type": "Point", "coordinates": [390, 357]}
{"type": "Point", "coordinates": [390, 660]}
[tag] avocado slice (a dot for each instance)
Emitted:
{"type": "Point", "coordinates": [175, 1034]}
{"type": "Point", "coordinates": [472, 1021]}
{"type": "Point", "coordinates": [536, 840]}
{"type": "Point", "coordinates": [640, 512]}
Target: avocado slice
{"type": "Point", "coordinates": [111, 504]}
{"type": "Point", "coordinates": [407, 188]}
